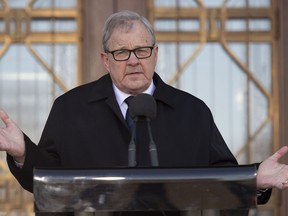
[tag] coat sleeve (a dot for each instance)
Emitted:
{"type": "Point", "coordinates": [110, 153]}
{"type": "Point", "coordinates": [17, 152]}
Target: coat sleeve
{"type": "Point", "coordinates": [221, 155]}
{"type": "Point", "coordinates": [24, 175]}
{"type": "Point", "coordinates": [263, 196]}
{"type": "Point", "coordinates": [36, 156]}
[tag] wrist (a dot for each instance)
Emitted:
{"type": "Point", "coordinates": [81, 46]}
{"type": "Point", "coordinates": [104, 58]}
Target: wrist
{"type": "Point", "coordinates": [19, 160]}
{"type": "Point", "coordinates": [19, 165]}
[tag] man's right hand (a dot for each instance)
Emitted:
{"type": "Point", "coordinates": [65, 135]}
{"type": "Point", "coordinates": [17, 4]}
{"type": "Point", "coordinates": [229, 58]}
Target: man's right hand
{"type": "Point", "coordinates": [11, 138]}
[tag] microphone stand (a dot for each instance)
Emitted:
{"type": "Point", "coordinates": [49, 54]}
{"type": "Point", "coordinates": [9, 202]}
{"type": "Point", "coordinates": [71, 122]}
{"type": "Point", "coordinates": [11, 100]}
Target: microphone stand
{"type": "Point", "coordinates": [132, 147]}
{"type": "Point", "coordinates": [152, 146]}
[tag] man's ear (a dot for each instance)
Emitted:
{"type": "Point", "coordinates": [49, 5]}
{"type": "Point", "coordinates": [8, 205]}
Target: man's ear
{"type": "Point", "coordinates": [156, 51]}
{"type": "Point", "coordinates": [104, 58]}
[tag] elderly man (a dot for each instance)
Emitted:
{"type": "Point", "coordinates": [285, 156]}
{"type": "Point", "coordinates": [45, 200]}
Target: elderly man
{"type": "Point", "coordinates": [86, 127]}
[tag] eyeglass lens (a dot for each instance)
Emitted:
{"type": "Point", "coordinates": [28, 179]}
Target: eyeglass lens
{"type": "Point", "coordinates": [124, 54]}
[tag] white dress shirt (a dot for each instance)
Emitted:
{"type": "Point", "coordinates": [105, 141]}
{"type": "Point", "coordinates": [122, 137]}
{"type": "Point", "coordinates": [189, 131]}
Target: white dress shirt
{"type": "Point", "coordinates": [121, 96]}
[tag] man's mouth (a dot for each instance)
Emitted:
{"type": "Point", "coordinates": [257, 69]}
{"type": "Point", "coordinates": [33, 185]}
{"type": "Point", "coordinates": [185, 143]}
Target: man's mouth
{"type": "Point", "coordinates": [134, 72]}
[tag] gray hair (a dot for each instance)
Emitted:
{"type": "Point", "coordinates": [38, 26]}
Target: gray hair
{"type": "Point", "coordinates": [123, 19]}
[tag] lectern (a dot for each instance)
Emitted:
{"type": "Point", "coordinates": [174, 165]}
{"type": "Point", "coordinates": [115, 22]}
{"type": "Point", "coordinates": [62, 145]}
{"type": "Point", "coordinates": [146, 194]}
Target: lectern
{"type": "Point", "coordinates": [144, 189]}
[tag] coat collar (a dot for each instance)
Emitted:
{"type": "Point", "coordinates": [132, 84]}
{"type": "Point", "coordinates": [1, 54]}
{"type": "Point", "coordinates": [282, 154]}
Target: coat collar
{"type": "Point", "coordinates": [104, 91]}
{"type": "Point", "coordinates": [163, 92]}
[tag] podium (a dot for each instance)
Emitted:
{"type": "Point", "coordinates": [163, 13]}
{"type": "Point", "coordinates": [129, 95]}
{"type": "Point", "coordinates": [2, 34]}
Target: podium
{"type": "Point", "coordinates": [144, 189]}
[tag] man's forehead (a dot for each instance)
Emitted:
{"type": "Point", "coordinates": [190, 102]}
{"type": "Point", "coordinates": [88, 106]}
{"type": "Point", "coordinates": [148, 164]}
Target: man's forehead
{"type": "Point", "coordinates": [124, 37]}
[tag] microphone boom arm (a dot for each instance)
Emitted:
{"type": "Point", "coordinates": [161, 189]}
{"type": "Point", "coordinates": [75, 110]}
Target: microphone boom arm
{"type": "Point", "coordinates": [132, 147]}
{"type": "Point", "coordinates": [152, 146]}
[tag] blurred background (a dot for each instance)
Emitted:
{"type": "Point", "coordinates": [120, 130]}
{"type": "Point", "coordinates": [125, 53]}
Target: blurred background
{"type": "Point", "coordinates": [232, 54]}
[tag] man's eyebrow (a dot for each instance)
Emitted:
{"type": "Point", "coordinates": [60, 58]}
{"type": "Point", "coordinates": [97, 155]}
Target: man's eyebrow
{"type": "Point", "coordinates": [124, 48]}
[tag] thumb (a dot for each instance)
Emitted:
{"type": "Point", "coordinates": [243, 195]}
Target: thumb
{"type": "Point", "coordinates": [280, 153]}
{"type": "Point", "coordinates": [5, 118]}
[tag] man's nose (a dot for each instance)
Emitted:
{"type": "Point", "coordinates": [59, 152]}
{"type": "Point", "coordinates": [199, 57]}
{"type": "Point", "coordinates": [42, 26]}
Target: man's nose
{"type": "Point", "coordinates": [133, 59]}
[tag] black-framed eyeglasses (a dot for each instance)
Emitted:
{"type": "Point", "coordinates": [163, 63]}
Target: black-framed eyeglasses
{"type": "Point", "coordinates": [124, 54]}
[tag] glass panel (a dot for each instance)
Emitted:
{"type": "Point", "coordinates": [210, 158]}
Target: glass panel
{"type": "Point", "coordinates": [164, 3]}
{"type": "Point", "coordinates": [259, 3]}
{"type": "Point", "coordinates": [259, 25]}
{"type": "Point", "coordinates": [261, 147]}
{"type": "Point", "coordinates": [55, 4]}
{"type": "Point", "coordinates": [236, 25]}
{"type": "Point", "coordinates": [165, 25]}
{"type": "Point", "coordinates": [175, 3]}
{"type": "Point", "coordinates": [242, 157]}
{"type": "Point", "coordinates": [189, 25]}
{"type": "Point", "coordinates": [239, 51]}
{"type": "Point", "coordinates": [25, 90]}
{"type": "Point", "coordinates": [213, 3]}
{"type": "Point", "coordinates": [166, 65]}
{"type": "Point", "coordinates": [63, 57]}
{"type": "Point", "coordinates": [57, 90]}
{"type": "Point", "coordinates": [47, 25]}
{"type": "Point", "coordinates": [260, 63]}
{"type": "Point", "coordinates": [251, 3]}
{"type": "Point", "coordinates": [187, 3]}
{"type": "Point", "coordinates": [236, 3]}
{"type": "Point", "coordinates": [26, 87]}
{"type": "Point", "coordinates": [18, 3]}
{"type": "Point", "coordinates": [66, 63]}
{"type": "Point", "coordinates": [174, 25]}
{"type": "Point", "coordinates": [258, 109]}
{"type": "Point", "coordinates": [254, 25]}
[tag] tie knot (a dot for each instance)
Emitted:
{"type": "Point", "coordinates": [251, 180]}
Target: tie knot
{"type": "Point", "coordinates": [128, 100]}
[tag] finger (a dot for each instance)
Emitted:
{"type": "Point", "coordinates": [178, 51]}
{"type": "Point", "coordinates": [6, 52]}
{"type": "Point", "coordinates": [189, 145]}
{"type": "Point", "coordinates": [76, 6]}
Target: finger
{"type": "Point", "coordinates": [5, 118]}
{"type": "Point", "coordinates": [280, 153]}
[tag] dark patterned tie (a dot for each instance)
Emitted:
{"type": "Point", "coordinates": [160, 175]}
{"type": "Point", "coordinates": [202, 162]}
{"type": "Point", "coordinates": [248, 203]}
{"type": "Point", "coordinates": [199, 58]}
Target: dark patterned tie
{"type": "Point", "coordinates": [128, 117]}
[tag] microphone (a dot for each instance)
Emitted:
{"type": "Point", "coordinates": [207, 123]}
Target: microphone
{"type": "Point", "coordinates": [144, 105]}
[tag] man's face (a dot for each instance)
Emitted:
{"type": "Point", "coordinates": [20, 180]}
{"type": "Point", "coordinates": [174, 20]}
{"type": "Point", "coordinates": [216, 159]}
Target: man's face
{"type": "Point", "coordinates": [134, 75]}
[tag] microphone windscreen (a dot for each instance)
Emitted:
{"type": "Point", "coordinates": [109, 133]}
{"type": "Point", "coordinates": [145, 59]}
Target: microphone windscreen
{"type": "Point", "coordinates": [143, 105]}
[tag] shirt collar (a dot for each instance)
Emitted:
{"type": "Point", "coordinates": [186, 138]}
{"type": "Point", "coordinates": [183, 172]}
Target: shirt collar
{"type": "Point", "coordinates": [121, 96]}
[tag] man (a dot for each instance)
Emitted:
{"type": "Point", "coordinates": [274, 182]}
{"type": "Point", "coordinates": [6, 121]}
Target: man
{"type": "Point", "coordinates": [86, 127]}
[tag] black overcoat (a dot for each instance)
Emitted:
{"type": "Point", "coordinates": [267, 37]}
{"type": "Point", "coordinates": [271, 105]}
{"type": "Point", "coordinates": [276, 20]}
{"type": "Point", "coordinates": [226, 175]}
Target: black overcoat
{"type": "Point", "coordinates": [86, 129]}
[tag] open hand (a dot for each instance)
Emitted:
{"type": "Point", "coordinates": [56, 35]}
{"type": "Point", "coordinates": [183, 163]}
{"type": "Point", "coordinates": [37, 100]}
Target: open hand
{"type": "Point", "coordinates": [271, 173]}
{"type": "Point", "coordinates": [11, 138]}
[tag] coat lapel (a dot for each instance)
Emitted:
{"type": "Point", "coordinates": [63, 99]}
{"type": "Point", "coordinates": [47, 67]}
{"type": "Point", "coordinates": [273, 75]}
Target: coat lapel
{"type": "Point", "coordinates": [104, 91]}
